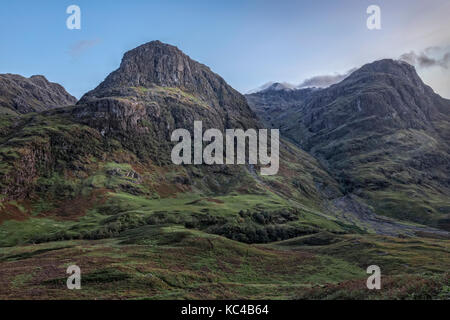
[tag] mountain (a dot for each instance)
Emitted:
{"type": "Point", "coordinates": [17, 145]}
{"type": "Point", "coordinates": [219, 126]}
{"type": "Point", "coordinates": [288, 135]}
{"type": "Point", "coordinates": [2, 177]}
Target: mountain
{"type": "Point", "coordinates": [112, 150]}
{"type": "Point", "coordinates": [316, 82]}
{"type": "Point", "coordinates": [381, 132]}
{"type": "Point", "coordinates": [92, 184]}
{"type": "Point", "coordinates": [324, 81]}
{"type": "Point", "coordinates": [157, 89]}
{"type": "Point", "coordinates": [270, 104]}
{"type": "Point", "coordinates": [20, 95]}
{"type": "Point", "coordinates": [107, 160]}
{"type": "Point", "coordinates": [273, 86]}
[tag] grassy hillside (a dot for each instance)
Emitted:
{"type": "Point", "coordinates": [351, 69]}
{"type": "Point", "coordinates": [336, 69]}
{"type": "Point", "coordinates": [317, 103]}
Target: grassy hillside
{"type": "Point", "coordinates": [172, 262]}
{"type": "Point", "coordinates": [62, 180]}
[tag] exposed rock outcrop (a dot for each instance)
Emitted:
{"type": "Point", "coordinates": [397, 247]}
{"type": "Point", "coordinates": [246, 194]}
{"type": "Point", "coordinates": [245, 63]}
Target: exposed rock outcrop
{"type": "Point", "coordinates": [382, 132]}
{"type": "Point", "coordinates": [20, 95]}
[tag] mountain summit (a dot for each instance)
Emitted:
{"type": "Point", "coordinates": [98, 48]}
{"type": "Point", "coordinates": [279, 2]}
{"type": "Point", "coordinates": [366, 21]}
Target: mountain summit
{"type": "Point", "coordinates": [156, 64]}
{"type": "Point", "coordinates": [158, 84]}
{"type": "Point", "coordinates": [381, 131]}
{"type": "Point", "coordinates": [273, 86]}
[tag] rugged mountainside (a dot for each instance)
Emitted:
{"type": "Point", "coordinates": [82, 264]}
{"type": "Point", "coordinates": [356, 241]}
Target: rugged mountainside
{"type": "Point", "coordinates": [156, 65]}
{"type": "Point", "coordinates": [114, 146]}
{"type": "Point", "coordinates": [269, 104]}
{"type": "Point", "coordinates": [104, 164]}
{"type": "Point", "coordinates": [383, 134]}
{"type": "Point", "coordinates": [93, 184]}
{"type": "Point", "coordinates": [157, 89]}
{"type": "Point", "coordinates": [20, 95]}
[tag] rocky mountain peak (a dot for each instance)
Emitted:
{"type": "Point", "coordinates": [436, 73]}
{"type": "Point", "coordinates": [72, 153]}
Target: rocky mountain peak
{"type": "Point", "coordinates": [155, 63]}
{"type": "Point", "coordinates": [23, 95]}
{"type": "Point", "coordinates": [272, 86]}
{"type": "Point", "coordinates": [280, 86]}
{"type": "Point", "coordinates": [159, 64]}
{"type": "Point", "coordinates": [396, 67]}
{"type": "Point", "coordinates": [161, 77]}
{"type": "Point", "coordinates": [381, 131]}
{"type": "Point", "coordinates": [389, 70]}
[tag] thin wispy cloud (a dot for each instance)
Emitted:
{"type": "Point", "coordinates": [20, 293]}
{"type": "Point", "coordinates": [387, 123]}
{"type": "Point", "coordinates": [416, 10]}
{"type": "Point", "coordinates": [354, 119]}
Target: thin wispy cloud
{"type": "Point", "coordinates": [430, 57]}
{"type": "Point", "coordinates": [320, 81]}
{"type": "Point", "coordinates": [82, 46]}
{"type": "Point", "coordinates": [323, 81]}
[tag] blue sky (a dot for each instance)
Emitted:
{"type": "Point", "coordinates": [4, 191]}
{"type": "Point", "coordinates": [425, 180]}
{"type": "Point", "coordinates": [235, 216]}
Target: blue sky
{"type": "Point", "coordinates": [247, 42]}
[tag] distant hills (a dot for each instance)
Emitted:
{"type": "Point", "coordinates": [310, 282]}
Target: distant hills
{"type": "Point", "coordinates": [20, 95]}
{"type": "Point", "coordinates": [317, 82]}
{"type": "Point", "coordinates": [381, 132]}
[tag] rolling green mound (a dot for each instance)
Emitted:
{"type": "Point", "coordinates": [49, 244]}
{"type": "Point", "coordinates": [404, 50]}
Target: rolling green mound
{"type": "Point", "coordinates": [172, 262]}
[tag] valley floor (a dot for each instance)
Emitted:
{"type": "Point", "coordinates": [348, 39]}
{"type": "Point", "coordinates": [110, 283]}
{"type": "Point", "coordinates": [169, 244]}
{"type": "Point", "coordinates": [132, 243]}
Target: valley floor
{"type": "Point", "coordinates": [172, 262]}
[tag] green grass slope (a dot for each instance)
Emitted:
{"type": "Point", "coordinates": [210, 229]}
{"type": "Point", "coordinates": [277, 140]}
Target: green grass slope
{"type": "Point", "coordinates": [172, 262]}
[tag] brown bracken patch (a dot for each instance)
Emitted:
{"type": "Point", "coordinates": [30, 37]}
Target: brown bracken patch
{"type": "Point", "coordinates": [73, 209]}
{"type": "Point", "coordinates": [9, 211]}
{"type": "Point", "coordinates": [166, 190]}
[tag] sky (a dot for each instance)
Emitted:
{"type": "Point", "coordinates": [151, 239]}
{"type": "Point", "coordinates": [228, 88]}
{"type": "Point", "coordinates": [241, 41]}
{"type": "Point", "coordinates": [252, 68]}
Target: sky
{"type": "Point", "coordinates": [247, 42]}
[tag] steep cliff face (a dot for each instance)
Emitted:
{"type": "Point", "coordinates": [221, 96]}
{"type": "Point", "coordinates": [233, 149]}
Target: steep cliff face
{"type": "Point", "coordinates": [156, 90]}
{"type": "Point", "coordinates": [20, 95]}
{"type": "Point", "coordinates": [383, 134]}
{"type": "Point", "coordinates": [271, 104]}
{"type": "Point", "coordinates": [159, 64]}
{"type": "Point", "coordinates": [384, 96]}
{"type": "Point", "coordinates": [158, 71]}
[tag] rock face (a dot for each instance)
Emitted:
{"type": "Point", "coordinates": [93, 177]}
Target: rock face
{"type": "Point", "coordinates": [156, 66]}
{"type": "Point", "coordinates": [382, 132]}
{"type": "Point", "coordinates": [160, 64]}
{"type": "Point", "coordinates": [271, 103]}
{"type": "Point", "coordinates": [156, 90]}
{"type": "Point", "coordinates": [20, 95]}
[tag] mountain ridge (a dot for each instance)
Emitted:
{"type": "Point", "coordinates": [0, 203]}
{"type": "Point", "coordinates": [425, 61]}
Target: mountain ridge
{"type": "Point", "coordinates": [380, 121]}
{"type": "Point", "coordinates": [20, 95]}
